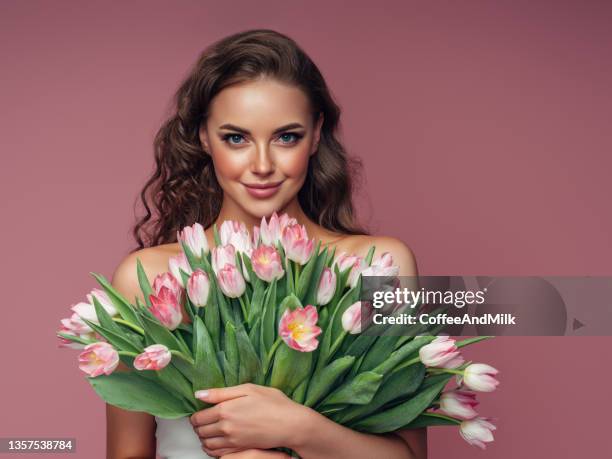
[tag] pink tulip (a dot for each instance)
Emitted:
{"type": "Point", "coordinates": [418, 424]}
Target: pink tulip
{"type": "Point", "coordinates": [154, 357]}
{"type": "Point", "coordinates": [266, 263]}
{"type": "Point", "coordinates": [255, 237]}
{"type": "Point", "coordinates": [270, 231]}
{"type": "Point", "coordinates": [222, 255]}
{"type": "Point", "coordinates": [377, 270]}
{"type": "Point", "coordinates": [98, 358]}
{"type": "Point", "coordinates": [167, 280]}
{"type": "Point", "coordinates": [355, 262]}
{"type": "Point", "coordinates": [70, 328]}
{"type": "Point", "coordinates": [198, 288]}
{"type": "Point", "coordinates": [194, 238]}
{"type": "Point", "coordinates": [179, 262]}
{"type": "Point", "coordinates": [480, 377]}
{"type": "Point", "coordinates": [88, 311]}
{"type": "Point", "coordinates": [441, 352]}
{"type": "Point", "coordinates": [326, 287]}
{"type": "Point", "coordinates": [236, 234]}
{"type": "Point", "coordinates": [298, 328]}
{"type": "Point", "coordinates": [296, 243]}
{"type": "Point", "coordinates": [76, 325]}
{"type": "Point", "coordinates": [351, 319]}
{"type": "Point", "coordinates": [459, 403]}
{"type": "Point", "coordinates": [477, 431]}
{"type": "Point", "coordinates": [166, 300]}
{"type": "Point", "coordinates": [384, 261]}
{"type": "Point", "coordinates": [230, 281]}
{"type": "Point", "coordinates": [345, 261]}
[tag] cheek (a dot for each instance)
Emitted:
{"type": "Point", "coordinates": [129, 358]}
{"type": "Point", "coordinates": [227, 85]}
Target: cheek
{"type": "Point", "coordinates": [228, 165]}
{"type": "Point", "coordinates": [294, 164]}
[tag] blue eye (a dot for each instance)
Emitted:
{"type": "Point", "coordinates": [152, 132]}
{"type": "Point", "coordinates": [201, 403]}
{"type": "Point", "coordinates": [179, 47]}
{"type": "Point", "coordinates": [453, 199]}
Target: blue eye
{"type": "Point", "coordinates": [293, 137]}
{"type": "Point", "coordinates": [237, 137]}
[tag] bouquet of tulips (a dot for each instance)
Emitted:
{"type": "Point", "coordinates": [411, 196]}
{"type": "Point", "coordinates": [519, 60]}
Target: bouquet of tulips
{"type": "Point", "coordinates": [270, 307]}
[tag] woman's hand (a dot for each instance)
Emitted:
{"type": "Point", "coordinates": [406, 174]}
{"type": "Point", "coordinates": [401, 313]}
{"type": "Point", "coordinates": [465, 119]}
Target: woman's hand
{"type": "Point", "coordinates": [256, 454]}
{"type": "Point", "coordinates": [249, 416]}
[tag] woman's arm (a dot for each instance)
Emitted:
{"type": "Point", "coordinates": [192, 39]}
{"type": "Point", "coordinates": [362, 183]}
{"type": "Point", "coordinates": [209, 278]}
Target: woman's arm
{"type": "Point", "coordinates": [129, 434]}
{"type": "Point", "coordinates": [323, 438]}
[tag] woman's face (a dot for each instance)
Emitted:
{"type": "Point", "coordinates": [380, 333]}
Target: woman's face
{"type": "Point", "coordinates": [260, 133]}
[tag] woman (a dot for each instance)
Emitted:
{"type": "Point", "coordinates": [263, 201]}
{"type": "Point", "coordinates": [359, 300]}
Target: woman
{"type": "Point", "coordinates": [254, 133]}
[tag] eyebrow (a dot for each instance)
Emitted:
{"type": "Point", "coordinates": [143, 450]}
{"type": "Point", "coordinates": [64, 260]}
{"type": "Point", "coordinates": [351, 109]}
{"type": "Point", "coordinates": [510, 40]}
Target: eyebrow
{"type": "Point", "coordinates": [233, 127]}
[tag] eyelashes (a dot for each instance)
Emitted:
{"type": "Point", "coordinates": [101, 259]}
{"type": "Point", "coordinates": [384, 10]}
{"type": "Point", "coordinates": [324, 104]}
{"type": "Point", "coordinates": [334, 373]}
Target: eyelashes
{"type": "Point", "coordinates": [234, 139]}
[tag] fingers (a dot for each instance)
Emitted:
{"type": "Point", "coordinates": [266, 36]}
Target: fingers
{"type": "Point", "coordinates": [205, 416]}
{"type": "Point", "coordinates": [222, 394]}
{"type": "Point", "coordinates": [210, 430]}
{"type": "Point", "coordinates": [215, 443]}
{"type": "Point", "coordinates": [223, 452]}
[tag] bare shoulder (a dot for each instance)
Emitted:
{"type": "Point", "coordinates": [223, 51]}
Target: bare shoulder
{"type": "Point", "coordinates": [154, 261]}
{"type": "Point", "coordinates": [403, 256]}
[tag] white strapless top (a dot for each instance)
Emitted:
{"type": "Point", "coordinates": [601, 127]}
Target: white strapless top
{"type": "Point", "coordinates": [177, 440]}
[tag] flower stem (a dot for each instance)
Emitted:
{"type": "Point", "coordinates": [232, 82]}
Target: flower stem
{"type": "Point", "coordinates": [441, 416]}
{"type": "Point", "coordinates": [182, 356]}
{"type": "Point", "coordinates": [408, 363]}
{"type": "Point", "coordinates": [446, 370]}
{"type": "Point", "coordinates": [297, 275]}
{"type": "Point", "coordinates": [271, 354]}
{"type": "Point", "coordinates": [136, 328]}
{"type": "Point", "coordinates": [127, 353]}
{"type": "Point", "coordinates": [244, 308]}
{"type": "Point", "coordinates": [337, 344]}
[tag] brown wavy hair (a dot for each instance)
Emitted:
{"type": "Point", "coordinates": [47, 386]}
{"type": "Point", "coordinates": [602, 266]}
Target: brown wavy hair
{"type": "Point", "coordinates": [183, 188]}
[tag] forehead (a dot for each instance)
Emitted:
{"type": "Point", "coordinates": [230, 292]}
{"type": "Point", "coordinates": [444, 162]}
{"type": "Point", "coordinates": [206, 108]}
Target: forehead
{"type": "Point", "coordinates": [264, 102]}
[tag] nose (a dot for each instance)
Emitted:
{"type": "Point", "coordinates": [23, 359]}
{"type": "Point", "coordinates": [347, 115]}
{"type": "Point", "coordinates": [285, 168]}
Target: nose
{"type": "Point", "coordinates": [262, 162]}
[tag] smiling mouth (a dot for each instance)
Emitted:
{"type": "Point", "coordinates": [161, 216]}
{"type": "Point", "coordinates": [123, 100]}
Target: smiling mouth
{"type": "Point", "coordinates": [262, 186]}
{"type": "Point", "coordinates": [263, 190]}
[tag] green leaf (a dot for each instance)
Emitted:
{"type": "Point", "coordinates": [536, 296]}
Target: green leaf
{"type": "Point", "coordinates": [476, 339]}
{"type": "Point", "coordinates": [75, 339]}
{"type": "Point", "coordinates": [173, 379]}
{"type": "Point", "coordinates": [156, 333]}
{"type": "Point", "coordinates": [306, 273]}
{"type": "Point", "coordinates": [289, 277]}
{"type": "Point", "coordinates": [334, 326]}
{"type": "Point", "coordinates": [250, 366]}
{"type": "Point", "coordinates": [143, 281]}
{"type": "Point", "coordinates": [124, 308]}
{"type": "Point", "coordinates": [290, 368]}
{"type": "Point", "coordinates": [116, 340]}
{"type": "Point", "coordinates": [106, 321]}
{"type": "Point", "coordinates": [357, 391]}
{"type": "Point", "coordinates": [425, 420]}
{"type": "Point", "coordinates": [268, 324]}
{"type": "Point", "coordinates": [300, 392]}
{"type": "Point", "coordinates": [130, 391]}
{"type": "Point", "coordinates": [322, 383]}
{"type": "Point", "coordinates": [312, 287]}
{"type": "Point", "coordinates": [232, 355]}
{"type": "Point", "coordinates": [402, 414]}
{"type": "Point", "coordinates": [257, 300]}
{"type": "Point", "coordinates": [400, 383]}
{"type": "Point", "coordinates": [207, 371]}
{"type": "Point", "coordinates": [369, 255]}
{"type": "Point", "coordinates": [378, 352]}
{"type": "Point", "coordinates": [229, 369]}
{"type": "Point", "coordinates": [403, 354]}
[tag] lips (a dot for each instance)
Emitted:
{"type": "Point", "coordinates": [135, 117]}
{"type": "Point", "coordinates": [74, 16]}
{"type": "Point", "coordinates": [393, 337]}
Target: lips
{"type": "Point", "coordinates": [262, 190]}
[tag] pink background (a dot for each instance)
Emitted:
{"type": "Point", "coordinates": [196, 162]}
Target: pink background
{"type": "Point", "coordinates": [484, 128]}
